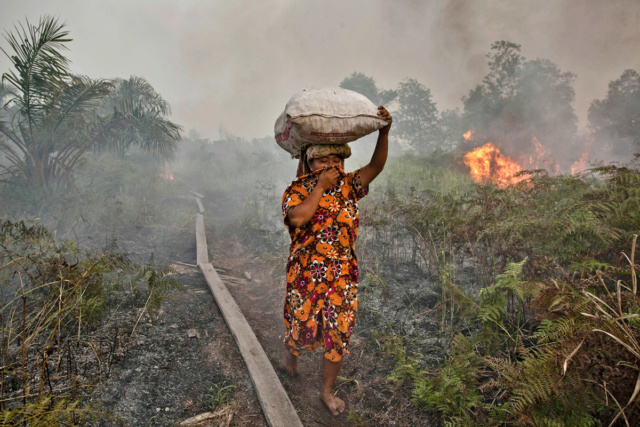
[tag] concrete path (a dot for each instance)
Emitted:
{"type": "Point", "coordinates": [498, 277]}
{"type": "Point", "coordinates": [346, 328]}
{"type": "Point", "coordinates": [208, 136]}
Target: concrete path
{"type": "Point", "coordinates": [274, 400]}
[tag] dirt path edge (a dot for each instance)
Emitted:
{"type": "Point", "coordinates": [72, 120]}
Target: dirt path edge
{"type": "Point", "coordinates": [274, 400]}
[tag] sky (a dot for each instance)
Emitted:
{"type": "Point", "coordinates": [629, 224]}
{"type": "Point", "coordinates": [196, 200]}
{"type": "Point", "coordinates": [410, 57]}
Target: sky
{"type": "Point", "coordinates": [234, 64]}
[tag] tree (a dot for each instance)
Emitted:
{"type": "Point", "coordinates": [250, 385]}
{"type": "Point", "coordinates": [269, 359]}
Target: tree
{"type": "Point", "coordinates": [486, 102]}
{"type": "Point", "coordinates": [505, 63]}
{"type": "Point", "coordinates": [417, 117]}
{"type": "Point", "coordinates": [46, 126]}
{"type": "Point", "coordinates": [365, 85]}
{"type": "Point", "coordinates": [615, 119]}
{"type": "Point", "coordinates": [50, 119]}
{"type": "Point", "coordinates": [135, 114]}
{"type": "Point", "coordinates": [452, 127]}
{"type": "Point", "coordinates": [521, 99]}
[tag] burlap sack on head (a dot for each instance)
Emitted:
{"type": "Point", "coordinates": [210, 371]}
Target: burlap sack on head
{"type": "Point", "coordinates": [325, 116]}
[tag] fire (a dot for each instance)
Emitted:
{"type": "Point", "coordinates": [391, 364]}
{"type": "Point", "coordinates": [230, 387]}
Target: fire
{"type": "Point", "coordinates": [540, 150]}
{"type": "Point", "coordinates": [488, 164]}
{"type": "Point", "coordinates": [579, 165]}
{"type": "Point", "coordinates": [167, 174]}
{"type": "Point", "coordinates": [536, 160]}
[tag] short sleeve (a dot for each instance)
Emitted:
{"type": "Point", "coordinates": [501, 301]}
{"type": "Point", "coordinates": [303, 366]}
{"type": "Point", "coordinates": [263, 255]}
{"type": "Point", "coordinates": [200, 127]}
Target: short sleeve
{"type": "Point", "coordinates": [293, 196]}
{"type": "Point", "coordinates": [356, 184]}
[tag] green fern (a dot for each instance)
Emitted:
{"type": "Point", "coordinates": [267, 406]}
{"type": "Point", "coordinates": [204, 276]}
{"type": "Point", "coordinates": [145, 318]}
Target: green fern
{"type": "Point", "coordinates": [534, 357]}
{"type": "Point", "coordinates": [453, 391]}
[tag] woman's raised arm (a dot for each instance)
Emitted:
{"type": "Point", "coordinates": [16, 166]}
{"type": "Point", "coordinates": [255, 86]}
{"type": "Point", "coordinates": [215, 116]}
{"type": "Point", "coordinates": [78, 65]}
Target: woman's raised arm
{"type": "Point", "coordinates": [369, 172]}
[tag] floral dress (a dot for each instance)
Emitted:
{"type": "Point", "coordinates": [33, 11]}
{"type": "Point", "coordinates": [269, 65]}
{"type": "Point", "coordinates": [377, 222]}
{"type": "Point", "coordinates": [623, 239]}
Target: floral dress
{"type": "Point", "coordinates": [322, 269]}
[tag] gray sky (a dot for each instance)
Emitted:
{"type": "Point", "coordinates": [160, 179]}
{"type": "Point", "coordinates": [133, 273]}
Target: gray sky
{"type": "Point", "coordinates": [237, 62]}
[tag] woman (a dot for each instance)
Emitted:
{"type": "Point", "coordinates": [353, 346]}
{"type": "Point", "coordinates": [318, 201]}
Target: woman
{"type": "Point", "coordinates": [320, 210]}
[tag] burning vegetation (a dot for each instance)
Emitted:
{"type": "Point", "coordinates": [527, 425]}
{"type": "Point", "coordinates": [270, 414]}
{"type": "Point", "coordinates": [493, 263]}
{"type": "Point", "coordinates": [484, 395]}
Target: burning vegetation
{"type": "Point", "coordinates": [487, 164]}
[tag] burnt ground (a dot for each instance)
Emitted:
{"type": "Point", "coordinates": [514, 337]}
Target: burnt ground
{"type": "Point", "coordinates": [165, 376]}
{"type": "Point", "coordinates": [372, 398]}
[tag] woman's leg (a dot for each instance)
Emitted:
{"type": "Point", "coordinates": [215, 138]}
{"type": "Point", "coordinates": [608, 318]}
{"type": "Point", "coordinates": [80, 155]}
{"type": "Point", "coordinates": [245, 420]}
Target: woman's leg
{"type": "Point", "coordinates": [330, 372]}
{"type": "Point", "coordinates": [290, 363]}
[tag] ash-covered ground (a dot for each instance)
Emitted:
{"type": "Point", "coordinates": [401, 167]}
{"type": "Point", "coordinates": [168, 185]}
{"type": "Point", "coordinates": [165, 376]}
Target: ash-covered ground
{"type": "Point", "coordinates": [180, 365]}
{"type": "Point", "coordinates": [172, 367]}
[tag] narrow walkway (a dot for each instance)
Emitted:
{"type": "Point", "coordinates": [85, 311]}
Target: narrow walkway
{"type": "Point", "coordinates": [274, 400]}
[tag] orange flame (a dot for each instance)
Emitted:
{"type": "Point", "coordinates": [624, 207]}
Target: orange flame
{"type": "Point", "coordinates": [167, 174]}
{"type": "Point", "coordinates": [468, 135]}
{"type": "Point", "coordinates": [535, 161]}
{"type": "Point", "coordinates": [540, 150]}
{"type": "Point", "coordinates": [488, 164]}
{"type": "Point", "coordinates": [580, 165]}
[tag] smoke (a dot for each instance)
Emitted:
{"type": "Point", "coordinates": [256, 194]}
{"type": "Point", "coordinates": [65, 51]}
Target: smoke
{"type": "Point", "coordinates": [237, 63]}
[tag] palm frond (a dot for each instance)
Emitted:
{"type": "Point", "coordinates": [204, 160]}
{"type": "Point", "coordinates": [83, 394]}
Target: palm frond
{"type": "Point", "coordinates": [158, 135]}
{"type": "Point", "coordinates": [40, 67]}
{"type": "Point", "coordinates": [80, 98]}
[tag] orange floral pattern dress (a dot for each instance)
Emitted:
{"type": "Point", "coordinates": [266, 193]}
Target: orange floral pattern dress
{"type": "Point", "coordinates": [322, 269]}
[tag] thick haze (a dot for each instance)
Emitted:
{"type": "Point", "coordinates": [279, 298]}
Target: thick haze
{"type": "Point", "coordinates": [236, 63]}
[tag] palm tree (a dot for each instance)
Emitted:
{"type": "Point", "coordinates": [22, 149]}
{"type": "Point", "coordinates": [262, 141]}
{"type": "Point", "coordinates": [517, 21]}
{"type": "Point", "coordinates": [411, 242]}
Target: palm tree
{"type": "Point", "coordinates": [48, 123]}
{"type": "Point", "coordinates": [135, 114]}
{"type": "Point", "coordinates": [51, 118]}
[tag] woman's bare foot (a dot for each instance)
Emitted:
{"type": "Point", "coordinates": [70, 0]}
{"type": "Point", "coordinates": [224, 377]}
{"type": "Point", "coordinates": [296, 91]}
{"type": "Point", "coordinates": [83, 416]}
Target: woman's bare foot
{"type": "Point", "coordinates": [290, 365]}
{"type": "Point", "coordinates": [334, 403]}
{"type": "Point", "coordinates": [330, 372]}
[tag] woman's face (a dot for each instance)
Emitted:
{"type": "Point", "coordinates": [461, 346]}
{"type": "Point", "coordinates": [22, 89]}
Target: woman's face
{"type": "Point", "coordinates": [328, 161]}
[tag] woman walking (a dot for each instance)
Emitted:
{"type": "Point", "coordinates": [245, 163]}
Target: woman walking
{"type": "Point", "coordinates": [320, 210]}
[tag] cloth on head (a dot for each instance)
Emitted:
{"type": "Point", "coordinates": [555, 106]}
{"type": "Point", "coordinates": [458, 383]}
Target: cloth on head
{"type": "Point", "coordinates": [321, 150]}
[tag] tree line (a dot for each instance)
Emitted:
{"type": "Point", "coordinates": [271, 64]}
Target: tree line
{"type": "Point", "coordinates": [517, 100]}
{"type": "Point", "coordinates": [50, 118]}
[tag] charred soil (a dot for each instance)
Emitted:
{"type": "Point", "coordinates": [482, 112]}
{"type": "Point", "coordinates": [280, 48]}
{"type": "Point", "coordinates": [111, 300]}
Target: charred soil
{"type": "Point", "coordinates": [172, 366]}
{"type": "Point", "coordinates": [184, 362]}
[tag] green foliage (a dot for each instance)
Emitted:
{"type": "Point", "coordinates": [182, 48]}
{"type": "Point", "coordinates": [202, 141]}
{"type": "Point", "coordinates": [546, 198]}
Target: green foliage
{"type": "Point", "coordinates": [616, 118]}
{"type": "Point", "coordinates": [136, 115]}
{"type": "Point", "coordinates": [46, 127]}
{"type": "Point", "coordinates": [413, 175]}
{"type": "Point", "coordinates": [51, 118]}
{"type": "Point", "coordinates": [528, 379]}
{"type": "Point", "coordinates": [453, 391]}
{"type": "Point", "coordinates": [562, 217]}
{"type": "Point", "coordinates": [219, 394]}
{"type": "Point", "coordinates": [355, 418]}
{"type": "Point", "coordinates": [553, 337]}
{"type": "Point", "coordinates": [405, 368]}
{"type": "Point", "coordinates": [502, 307]}
{"type": "Point", "coordinates": [417, 117]}
{"type": "Point", "coordinates": [159, 285]}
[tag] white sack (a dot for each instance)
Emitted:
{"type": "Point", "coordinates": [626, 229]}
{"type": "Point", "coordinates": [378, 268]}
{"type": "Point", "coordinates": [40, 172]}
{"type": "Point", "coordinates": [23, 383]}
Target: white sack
{"type": "Point", "coordinates": [325, 116]}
